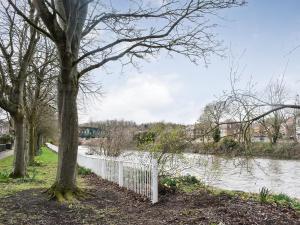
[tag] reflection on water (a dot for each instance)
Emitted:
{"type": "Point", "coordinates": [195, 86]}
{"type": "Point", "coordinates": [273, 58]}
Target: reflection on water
{"type": "Point", "coordinates": [280, 176]}
{"type": "Point", "coordinates": [249, 175]}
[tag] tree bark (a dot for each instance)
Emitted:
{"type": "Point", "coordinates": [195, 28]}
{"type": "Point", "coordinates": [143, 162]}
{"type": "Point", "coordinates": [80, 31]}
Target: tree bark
{"type": "Point", "coordinates": [19, 169]}
{"type": "Point", "coordinates": [38, 144]}
{"type": "Point", "coordinates": [68, 121]}
{"type": "Point", "coordinates": [32, 142]}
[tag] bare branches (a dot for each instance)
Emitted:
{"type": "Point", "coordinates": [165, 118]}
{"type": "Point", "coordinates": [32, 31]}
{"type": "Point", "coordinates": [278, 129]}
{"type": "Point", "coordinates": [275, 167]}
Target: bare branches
{"type": "Point", "coordinates": [27, 19]}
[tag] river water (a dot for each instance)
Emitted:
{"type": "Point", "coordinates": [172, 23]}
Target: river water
{"type": "Point", "coordinates": [249, 175]}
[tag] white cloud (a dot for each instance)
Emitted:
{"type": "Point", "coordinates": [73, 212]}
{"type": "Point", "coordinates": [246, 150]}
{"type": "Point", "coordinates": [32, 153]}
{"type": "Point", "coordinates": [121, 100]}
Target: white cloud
{"type": "Point", "coordinates": [142, 98]}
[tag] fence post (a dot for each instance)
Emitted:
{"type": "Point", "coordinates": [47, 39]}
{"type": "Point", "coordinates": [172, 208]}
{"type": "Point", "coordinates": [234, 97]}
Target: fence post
{"type": "Point", "coordinates": [103, 169]}
{"type": "Point", "coordinates": [154, 181]}
{"type": "Point", "coordinates": [121, 180]}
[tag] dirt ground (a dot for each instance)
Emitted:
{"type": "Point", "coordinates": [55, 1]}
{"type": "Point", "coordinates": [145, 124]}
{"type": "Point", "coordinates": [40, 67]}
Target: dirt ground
{"type": "Point", "coordinates": [110, 204]}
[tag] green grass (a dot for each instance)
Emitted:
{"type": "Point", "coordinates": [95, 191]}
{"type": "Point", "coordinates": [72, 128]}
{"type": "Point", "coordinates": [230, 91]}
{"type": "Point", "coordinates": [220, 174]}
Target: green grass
{"type": "Point", "coordinates": [83, 171]}
{"type": "Point", "coordinates": [41, 176]}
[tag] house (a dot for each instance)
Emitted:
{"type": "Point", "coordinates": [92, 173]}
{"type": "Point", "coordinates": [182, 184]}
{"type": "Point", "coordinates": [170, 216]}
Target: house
{"type": "Point", "coordinates": [288, 128]}
{"type": "Point", "coordinates": [297, 125]}
{"type": "Point", "coordinates": [259, 133]}
{"type": "Point", "coordinates": [229, 128]}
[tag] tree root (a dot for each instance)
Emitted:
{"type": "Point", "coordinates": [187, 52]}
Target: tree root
{"type": "Point", "coordinates": [65, 195]}
{"type": "Point", "coordinates": [17, 175]}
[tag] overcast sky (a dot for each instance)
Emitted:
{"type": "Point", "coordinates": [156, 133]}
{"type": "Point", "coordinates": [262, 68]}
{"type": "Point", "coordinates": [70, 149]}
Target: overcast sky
{"type": "Point", "coordinates": [174, 90]}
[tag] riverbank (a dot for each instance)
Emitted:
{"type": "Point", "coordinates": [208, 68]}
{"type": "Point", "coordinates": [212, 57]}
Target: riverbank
{"type": "Point", "coordinates": [284, 151]}
{"type": "Point", "coordinates": [109, 204]}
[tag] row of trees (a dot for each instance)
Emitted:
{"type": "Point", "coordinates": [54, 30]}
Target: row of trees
{"type": "Point", "coordinates": [89, 35]}
{"type": "Point", "coordinates": [27, 71]}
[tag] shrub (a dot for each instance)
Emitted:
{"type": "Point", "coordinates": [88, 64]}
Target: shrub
{"type": "Point", "coordinates": [216, 135]}
{"type": "Point", "coordinates": [167, 185]}
{"type": "Point", "coordinates": [189, 180]}
{"type": "Point", "coordinates": [229, 144]}
{"type": "Point", "coordinates": [263, 194]}
{"type": "Point", "coordinates": [144, 138]}
{"type": "Point", "coordinates": [172, 184]}
{"type": "Point", "coordinates": [84, 171]}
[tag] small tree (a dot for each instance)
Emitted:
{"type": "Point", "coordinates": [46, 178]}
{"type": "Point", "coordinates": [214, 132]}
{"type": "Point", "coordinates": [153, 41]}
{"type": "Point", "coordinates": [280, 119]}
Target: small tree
{"type": "Point", "coordinates": [166, 144]}
{"type": "Point", "coordinates": [216, 135]}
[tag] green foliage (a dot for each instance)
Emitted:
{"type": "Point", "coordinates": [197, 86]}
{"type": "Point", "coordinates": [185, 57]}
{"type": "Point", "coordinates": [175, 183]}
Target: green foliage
{"type": "Point", "coordinates": [6, 139]}
{"type": "Point", "coordinates": [4, 176]}
{"type": "Point", "coordinates": [283, 199]}
{"type": "Point", "coordinates": [36, 163]}
{"type": "Point", "coordinates": [144, 138]}
{"type": "Point", "coordinates": [185, 183]}
{"type": "Point", "coordinates": [263, 194]}
{"type": "Point", "coordinates": [216, 135]}
{"type": "Point", "coordinates": [189, 180]}
{"type": "Point", "coordinates": [165, 143]}
{"type": "Point", "coordinates": [167, 185]}
{"type": "Point", "coordinates": [229, 144]}
{"type": "Point", "coordinates": [84, 171]}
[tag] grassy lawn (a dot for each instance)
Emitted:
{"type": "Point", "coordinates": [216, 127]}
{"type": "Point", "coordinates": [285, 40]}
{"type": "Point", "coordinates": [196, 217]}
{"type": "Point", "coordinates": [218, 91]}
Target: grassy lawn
{"type": "Point", "coordinates": [40, 176]}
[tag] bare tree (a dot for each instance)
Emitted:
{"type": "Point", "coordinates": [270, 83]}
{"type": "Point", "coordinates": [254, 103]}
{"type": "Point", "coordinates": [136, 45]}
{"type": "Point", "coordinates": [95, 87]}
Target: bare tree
{"type": "Point", "coordinates": [276, 94]}
{"type": "Point", "coordinates": [269, 108]}
{"type": "Point", "coordinates": [125, 34]}
{"type": "Point", "coordinates": [17, 47]}
{"type": "Point", "coordinates": [40, 94]}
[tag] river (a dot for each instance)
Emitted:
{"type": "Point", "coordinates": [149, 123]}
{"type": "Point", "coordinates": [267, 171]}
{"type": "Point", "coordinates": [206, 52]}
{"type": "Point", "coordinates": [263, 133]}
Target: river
{"type": "Point", "coordinates": [279, 176]}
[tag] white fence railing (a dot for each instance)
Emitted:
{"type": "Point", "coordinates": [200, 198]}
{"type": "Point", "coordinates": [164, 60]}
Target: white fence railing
{"type": "Point", "coordinates": [142, 178]}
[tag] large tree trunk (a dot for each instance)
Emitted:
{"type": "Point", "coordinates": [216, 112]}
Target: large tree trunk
{"type": "Point", "coordinates": [68, 144]}
{"type": "Point", "coordinates": [19, 169]}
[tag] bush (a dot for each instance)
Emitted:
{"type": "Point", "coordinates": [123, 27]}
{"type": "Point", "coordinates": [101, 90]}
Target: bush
{"type": "Point", "coordinates": [216, 135]}
{"type": "Point", "coordinates": [229, 144]}
{"type": "Point", "coordinates": [189, 180]}
{"type": "Point", "coordinates": [172, 184]}
{"type": "Point", "coordinates": [84, 171]}
{"type": "Point", "coordinates": [167, 185]}
{"type": "Point", "coordinates": [144, 138]}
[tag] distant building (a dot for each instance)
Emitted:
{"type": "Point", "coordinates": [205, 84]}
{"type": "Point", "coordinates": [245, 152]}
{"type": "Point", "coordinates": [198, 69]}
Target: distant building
{"type": "Point", "coordinates": [89, 132]}
{"type": "Point", "coordinates": [229, 129]}
{"type": "Point", "coordinates": [297, 127]}
{"type": "Point", "coordinates": [259, 133]}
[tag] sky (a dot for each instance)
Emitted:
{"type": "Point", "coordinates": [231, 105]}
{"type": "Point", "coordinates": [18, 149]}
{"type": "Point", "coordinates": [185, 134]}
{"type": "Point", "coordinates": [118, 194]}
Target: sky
{"type": "Point", "coordinates": [262, 38]}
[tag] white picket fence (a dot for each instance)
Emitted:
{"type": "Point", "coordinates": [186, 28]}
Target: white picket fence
{"type": "Point", "coordinates": [142, 178]}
